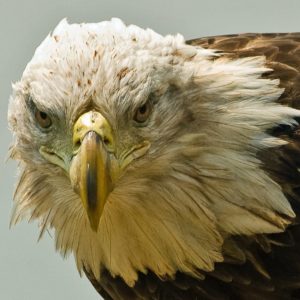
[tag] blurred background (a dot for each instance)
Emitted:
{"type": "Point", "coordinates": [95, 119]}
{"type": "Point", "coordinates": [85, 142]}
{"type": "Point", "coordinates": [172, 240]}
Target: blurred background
{"type": "Point", "coordinates": [31, 270]}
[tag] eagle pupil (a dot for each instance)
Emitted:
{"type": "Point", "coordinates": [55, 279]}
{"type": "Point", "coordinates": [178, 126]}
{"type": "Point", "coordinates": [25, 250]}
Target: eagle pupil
{"type": "Point", "coordinates": [43, 115]}
{"type": "Point", "coordinates": [43, 119]}
{"type": "Point", "coordinates": [143, 113]}
{"type": "Point", "coordinates": [143, 109]}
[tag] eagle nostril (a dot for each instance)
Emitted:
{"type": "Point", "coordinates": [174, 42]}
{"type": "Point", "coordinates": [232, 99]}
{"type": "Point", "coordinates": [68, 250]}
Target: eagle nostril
{"type": "Point", "coordinates": [106, 141]}
{"type": "Point", "coordinates": [76, 144]}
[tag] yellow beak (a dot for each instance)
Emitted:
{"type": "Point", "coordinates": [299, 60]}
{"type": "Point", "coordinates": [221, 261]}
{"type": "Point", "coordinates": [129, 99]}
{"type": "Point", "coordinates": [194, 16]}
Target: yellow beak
{"type": "Point", "coordinates": [90, 170]}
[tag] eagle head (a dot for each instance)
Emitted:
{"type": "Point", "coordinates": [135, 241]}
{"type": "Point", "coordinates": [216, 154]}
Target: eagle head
{"type": "Point", "coordinates": [140, 151]}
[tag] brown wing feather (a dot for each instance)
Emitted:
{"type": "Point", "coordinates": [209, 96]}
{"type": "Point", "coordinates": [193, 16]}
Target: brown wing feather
{"type": "Point", "coordinates": [257, 267]}
{"type": "Point", "coordinates": [282, 51]}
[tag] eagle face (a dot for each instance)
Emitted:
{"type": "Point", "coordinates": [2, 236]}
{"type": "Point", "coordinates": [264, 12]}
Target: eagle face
{"type": "Point", "coordinates": [140, 150]}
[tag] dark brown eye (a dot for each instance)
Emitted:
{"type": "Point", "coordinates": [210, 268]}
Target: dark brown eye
{"type": "Point", "coordinates": [143, 112]}
{"type": "Point", "coordinates": [43, 119]}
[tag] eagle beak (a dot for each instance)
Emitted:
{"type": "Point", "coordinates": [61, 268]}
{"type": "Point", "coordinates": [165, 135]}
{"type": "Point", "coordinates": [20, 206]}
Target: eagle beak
{"type": "Point", "coordinates": [90, 170]}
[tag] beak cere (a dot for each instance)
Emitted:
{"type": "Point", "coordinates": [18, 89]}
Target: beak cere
{"type": "Point", "coordinates": [90, 170]}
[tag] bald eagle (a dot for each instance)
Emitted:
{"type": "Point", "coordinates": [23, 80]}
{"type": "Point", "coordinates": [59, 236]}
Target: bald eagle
{"type": "Point", "coordinates": [168, 168]}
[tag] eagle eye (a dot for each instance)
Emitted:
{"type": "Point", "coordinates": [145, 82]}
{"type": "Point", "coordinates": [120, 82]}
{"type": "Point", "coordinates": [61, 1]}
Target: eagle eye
{"type": "Point", "coordinates": [43, 119]}
{"type": "Point", "coordinates": [143, 112]}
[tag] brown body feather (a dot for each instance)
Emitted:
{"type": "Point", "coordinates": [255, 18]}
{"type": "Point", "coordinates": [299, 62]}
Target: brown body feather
{"type": "Point", "coordinates": [261, 266]}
